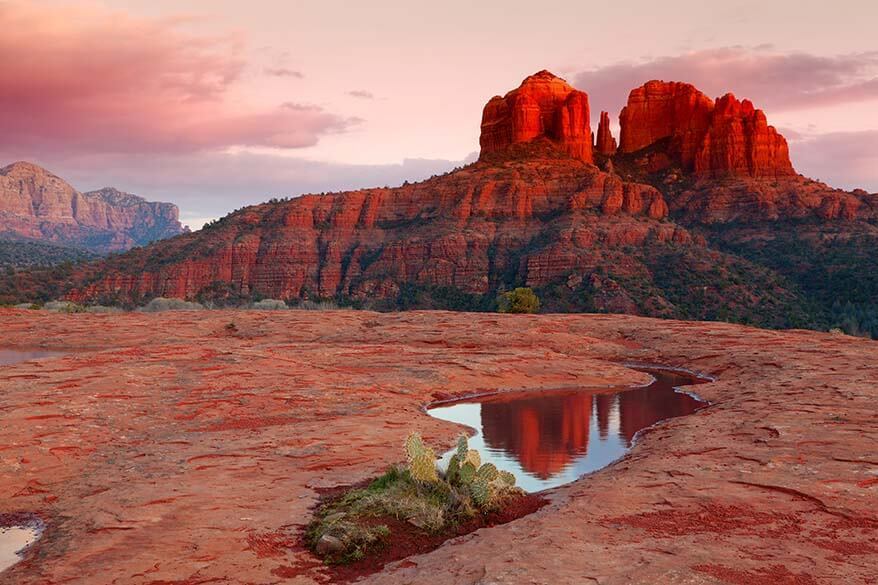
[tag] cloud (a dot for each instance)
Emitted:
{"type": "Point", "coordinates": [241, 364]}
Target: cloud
{"type": "Point", "coordinates": [88, 80]}
{"type": "Point", "coordinates": [842, 159]}
{"type": "Point", "coordinates": [362, 94]}
{"type": "Point", "coordinates": [773, 80]}
{"type": "Point", "coordinates": [283, 72]}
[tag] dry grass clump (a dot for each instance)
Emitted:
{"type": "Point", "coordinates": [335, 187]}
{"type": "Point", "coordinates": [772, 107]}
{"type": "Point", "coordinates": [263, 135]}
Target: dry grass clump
{"type": "Point", "coordinates": [269, 305]}
{"type": "Point", "coordinates": [160, 304]}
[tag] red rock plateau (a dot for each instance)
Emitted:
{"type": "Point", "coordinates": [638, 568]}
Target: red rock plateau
{"type": "Point", "coordinates": [533, 210]}
{"type": "Point", "coordinates": [37, 205]}
{"type": "Point", "coordinates": [170, 448]}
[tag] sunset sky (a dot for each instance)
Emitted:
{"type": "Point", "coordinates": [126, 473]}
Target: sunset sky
{"type": "Point", "coordinates": [214, 104]}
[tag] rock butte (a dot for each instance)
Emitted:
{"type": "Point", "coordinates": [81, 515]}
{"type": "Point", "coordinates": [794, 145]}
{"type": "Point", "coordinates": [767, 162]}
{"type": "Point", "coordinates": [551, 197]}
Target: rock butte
{"type": "Point", "coordinates": [37, 205]}
{"type": "Point", "coordinates": [532, 210]}
{"type": "Point", "coordinates": [712, 139]}
{"type": "Point", "coordinates": [543, 106]}
{"type": "Point", "coordinates": [168, 449]}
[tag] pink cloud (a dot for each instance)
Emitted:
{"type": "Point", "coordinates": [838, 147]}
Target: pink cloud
{"type": "Point", "coordinates": [771, 79]}
{"type": "Point", "coordinates": [284, 72]}
{"type": "Point", "coordinates": [362, 94]}
{"type": "Point", "coordinates": [79, 80]}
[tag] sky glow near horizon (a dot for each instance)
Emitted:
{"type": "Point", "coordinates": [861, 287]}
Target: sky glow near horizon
{"type": "Point", "coordinates": [218, 104]}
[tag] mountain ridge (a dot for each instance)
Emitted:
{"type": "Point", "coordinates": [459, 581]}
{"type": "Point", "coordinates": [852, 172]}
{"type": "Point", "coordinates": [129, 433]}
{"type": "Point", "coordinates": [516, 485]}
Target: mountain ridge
{"type": "Point", "coordinates": [38, 205]}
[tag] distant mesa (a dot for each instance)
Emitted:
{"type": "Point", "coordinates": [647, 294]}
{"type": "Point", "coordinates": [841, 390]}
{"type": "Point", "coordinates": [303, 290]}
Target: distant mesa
{"type": "Point", "coordinates": [39, 206]}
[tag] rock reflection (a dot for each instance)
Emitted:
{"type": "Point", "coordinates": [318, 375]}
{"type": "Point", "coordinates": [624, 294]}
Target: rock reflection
{"type": "Point", "coordinates": [549, 438]}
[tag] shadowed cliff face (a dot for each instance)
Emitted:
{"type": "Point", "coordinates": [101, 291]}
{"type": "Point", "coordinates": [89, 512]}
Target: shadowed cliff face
{"type": "Point", "coordinates": [37, 205]}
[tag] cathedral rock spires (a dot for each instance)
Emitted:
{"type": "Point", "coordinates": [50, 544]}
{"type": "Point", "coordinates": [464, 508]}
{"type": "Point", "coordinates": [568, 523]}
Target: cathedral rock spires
{"type": "Point", "coordinates": [661, 110]}
{"type": "Point", "coordinates": [739, 142]}
{"type": "Point", "coordinates": [717, 139]}
{"type": "Point", "coordinates": [606, 144]}
{"type": "Point", "coordinates": [543, 106]}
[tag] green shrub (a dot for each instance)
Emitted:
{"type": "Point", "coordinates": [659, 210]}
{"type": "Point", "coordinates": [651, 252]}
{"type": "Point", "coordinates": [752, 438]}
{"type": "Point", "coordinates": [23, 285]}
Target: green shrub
{"type": "Point", "coordinates": [519, 300]}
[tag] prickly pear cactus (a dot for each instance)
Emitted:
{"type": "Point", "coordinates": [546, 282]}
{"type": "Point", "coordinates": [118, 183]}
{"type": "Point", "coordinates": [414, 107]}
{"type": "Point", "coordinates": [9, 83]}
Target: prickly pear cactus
{"type": "Point", "coordinates": [467, 473]}
{"type": "Point", "coordinates": [452, 474]}
{"type": "Point", "coordinates": [462, 447]}
{"type": "Point", "coordinates": [481, 492]}
{"type": "Point", "coordinates": [507, 478]}
{"type": "Point", "coordinates": [488, 472]}
{"type": "Point", "coordinates": [414, 446]}
{"type": "Point", "coordinates": [422, 459]}
{"type": "Point", "coordinates": [472, 456]}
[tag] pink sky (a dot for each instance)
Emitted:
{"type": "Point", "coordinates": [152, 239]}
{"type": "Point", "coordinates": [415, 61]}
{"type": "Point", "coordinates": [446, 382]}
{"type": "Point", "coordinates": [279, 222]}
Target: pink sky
{"type": "Point", "coordinates": [216, 104]}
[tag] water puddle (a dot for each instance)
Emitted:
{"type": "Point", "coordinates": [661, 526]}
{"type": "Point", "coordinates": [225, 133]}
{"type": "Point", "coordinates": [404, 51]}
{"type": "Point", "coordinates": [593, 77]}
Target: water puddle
{"type": "Point", "coordinates": [14, 356]}
{"type": "Point", "coordinates": [549, 438]}
{"type": "Point", "coordinates": [15, 539]}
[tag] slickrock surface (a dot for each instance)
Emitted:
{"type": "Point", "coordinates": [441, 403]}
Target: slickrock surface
{"type": "Point", "coordinates": [179, 448]}
{"type": "Point", "coordinates": [38, 205]}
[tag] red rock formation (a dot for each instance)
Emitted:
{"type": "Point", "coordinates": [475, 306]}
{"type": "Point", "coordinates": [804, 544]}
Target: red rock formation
{"type": "Point", "coordinates": [543, 106]}
{"type": "Point", "coordinates": [726, 138]}
{"type": "Point", "coordinates": [665, 110]}
{"type": "Point", "coordinates": [606, 143]}
{"type": "Point", "coordinates": [525, 211]}
{"type": "Point", "coordinates": [35, 204]}
{"type": "Point", "coordinates": [462, 230]}
{"type": "Point", "coordinates": [739, 142]}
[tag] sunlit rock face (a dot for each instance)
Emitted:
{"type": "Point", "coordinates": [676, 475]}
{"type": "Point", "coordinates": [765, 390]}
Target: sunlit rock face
{"type": "Point", "coordinates": [543, 106]}
{"type": "Point", "coordinates": [723, 138]}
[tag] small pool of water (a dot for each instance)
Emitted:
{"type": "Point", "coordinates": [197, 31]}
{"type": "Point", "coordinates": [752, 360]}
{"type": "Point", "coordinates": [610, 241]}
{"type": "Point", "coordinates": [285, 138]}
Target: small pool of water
{"type": "Point", "coordinates": [13, 541]}
{"type": "Point", "coordinates": [14, 356]}
{"type": "Point", "coordinates": [549, 438]}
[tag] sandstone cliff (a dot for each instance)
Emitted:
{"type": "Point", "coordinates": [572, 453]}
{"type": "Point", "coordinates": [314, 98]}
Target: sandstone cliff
{"type": "Point", "coordinates": [534, 211]}
{"type": "Point", "coordinates": [727, 137]}
{"type": "Point", "coordinates": [542, 106]}
{"type": "Point", "coordinates": [37, 205]}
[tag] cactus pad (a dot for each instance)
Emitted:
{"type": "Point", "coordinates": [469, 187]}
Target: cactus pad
{"type": "Point", "coordinates": [472, 456]}
{"type": "Point", "coordinates": [467, 473]}
{"type": "Point", "coordinates": [488, 472]}
{"type": "Point", "coordinates": [462, 447]}
{"type": "Point", "coordinates": [507, 478]}
{"type": "Point", "coordinates": [481, 492]}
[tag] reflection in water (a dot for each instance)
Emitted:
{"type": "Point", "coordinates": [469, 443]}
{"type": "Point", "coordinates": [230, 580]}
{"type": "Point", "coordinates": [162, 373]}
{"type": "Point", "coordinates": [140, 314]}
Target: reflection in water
{"type": "Point", "coordinates": [14, 356]}
{"type": "Point", "coordinates": [548, 438]}
{"type": "Point", "coordinates": [14, 539]}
